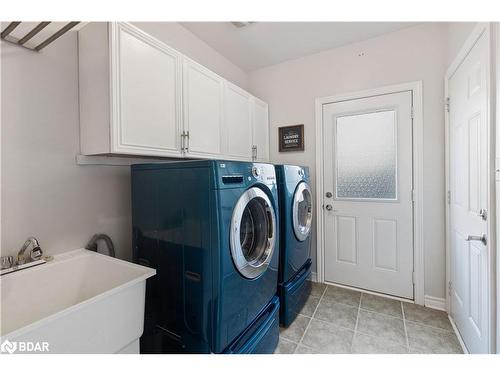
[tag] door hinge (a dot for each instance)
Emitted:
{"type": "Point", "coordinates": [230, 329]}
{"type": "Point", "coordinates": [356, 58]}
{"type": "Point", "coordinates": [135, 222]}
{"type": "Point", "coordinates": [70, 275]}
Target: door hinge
{"type": "Point", "coordinates": [413, 278]}
{"type": "Point", "coordinates": [448, 197]}
{"type": "Point", "coordinates": [413, 195]}
{"type": "Point", "coordinates": [447, 105]}
{"type": "Point", "coordinates": [412, 112]}
{"type": "Point", "coordinates": [254, 152]}
{"type": "Point", "coordinates": [449, 287]}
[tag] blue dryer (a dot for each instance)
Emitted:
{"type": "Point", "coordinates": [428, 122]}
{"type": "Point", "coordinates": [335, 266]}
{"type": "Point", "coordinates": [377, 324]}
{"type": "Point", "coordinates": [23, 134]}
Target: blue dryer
{"type": "Point", "coordinates": [296, 214]}
{"type": "Point", "coordinates": [210, 229]}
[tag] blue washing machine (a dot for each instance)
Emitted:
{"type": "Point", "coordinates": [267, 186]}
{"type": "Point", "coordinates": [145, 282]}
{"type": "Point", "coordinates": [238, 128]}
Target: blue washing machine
{"type": "Point", "coordinates": [210, 229]}
{"type": "Point", "coordinates": [296, 214]}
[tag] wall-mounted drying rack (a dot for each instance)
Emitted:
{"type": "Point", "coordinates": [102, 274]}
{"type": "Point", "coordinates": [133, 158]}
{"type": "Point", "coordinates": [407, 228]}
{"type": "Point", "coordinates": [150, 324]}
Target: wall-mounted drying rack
{"type": "Point", "coordinates": [34, 33]}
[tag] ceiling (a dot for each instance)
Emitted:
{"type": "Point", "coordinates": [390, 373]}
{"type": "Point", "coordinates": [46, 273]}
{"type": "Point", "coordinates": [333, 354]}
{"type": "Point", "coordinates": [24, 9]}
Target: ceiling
{"type": "Point", "coordinates": [262, 44]}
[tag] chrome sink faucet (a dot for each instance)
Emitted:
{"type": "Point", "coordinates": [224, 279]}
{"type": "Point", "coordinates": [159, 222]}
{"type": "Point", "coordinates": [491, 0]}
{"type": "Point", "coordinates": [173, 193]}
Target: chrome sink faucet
{"type": "Point", "coordinates": [11, 263]}
{"type": "Point", "coordinates": [36, 252]}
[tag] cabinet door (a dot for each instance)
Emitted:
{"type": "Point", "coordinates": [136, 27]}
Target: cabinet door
{"type": "Point", "coordinates": [260, 125]}
{"type": "Point", "coordinates": [203, 92]}
{"type": "Point", "coordinates": [237, 123]}
{"type": "Point", "coordinates": [146, 94]}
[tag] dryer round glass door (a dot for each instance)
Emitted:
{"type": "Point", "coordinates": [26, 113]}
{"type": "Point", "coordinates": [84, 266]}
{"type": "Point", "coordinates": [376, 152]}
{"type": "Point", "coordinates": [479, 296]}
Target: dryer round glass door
{"type": "Point", "coordinates": [302, 211]}
{"type": "Point", "coordinates": [253, 233]}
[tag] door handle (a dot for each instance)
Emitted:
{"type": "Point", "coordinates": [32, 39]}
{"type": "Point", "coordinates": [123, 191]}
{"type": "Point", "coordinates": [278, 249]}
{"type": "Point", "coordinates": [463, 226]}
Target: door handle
{"type": "Point", "coordinates": [328, 207]}
{"type": "Point", "coordinates": [481, 238]}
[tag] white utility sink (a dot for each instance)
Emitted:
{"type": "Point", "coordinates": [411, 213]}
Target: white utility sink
{"type": "Point", "coordinates": [80, 302]}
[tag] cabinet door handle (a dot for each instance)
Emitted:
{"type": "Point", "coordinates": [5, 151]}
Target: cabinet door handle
{"type": "Point", "coordinates": [183, 141]}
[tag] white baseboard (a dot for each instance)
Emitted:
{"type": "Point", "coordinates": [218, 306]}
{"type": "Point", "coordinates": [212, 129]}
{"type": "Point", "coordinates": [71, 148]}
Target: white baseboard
{"type": "Point", "coordinates": [314, 277]}
{"type": "Point", "coordinates": [435, 303]}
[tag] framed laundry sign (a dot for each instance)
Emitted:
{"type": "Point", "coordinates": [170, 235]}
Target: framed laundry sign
{"type": "Point", "coordinates": [291, 138]}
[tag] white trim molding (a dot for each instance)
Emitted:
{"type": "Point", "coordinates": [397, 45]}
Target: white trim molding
{"type": "Point", "coordinates": [314, 277]}
{"type": "Point", "coordinates": [418, 176]}
{"type": "Point", "coordinates": [496, 93]}
{"type": "Point", "coordinates": [435, 303]}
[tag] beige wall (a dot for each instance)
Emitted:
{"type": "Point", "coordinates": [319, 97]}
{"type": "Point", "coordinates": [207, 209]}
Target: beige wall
{"type": "Point", "coordinates": [44, 193]}
{"type": "Point", "coordinates": [180, 38]}
{"type": "Point", "coordinates": [417, 53]}
{"type": "Point", "coordinates": [458, 33]}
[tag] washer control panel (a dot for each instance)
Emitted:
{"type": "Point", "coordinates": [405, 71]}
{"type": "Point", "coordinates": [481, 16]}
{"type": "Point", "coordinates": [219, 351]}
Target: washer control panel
{"type": "Point", "coordinates": [256, 171]}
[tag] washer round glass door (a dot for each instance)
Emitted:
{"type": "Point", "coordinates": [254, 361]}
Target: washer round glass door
{"type": "Point", "coordinates": [253, 233]}
{"type": "Point", "coordinates": [302, 211]}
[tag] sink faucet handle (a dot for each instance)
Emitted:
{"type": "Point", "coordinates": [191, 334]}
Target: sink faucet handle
{"type": "Point", "coordinates": [36, 253]}
{"type": "Point", "coordinates": [7, 262]}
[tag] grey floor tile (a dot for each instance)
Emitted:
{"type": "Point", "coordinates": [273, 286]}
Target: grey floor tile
{"type": "Point", "coordinates": [364, 344]}
{"type": "Point", "coordinates": [337, 313]}
{"type": "Point", "coordinates": [383, 326]}
{"type": "Point", "coordinates": [325, 337]}
{"type": "Point", "coordinates": [285, 347]}
{"type": "Point", "coordinates": [310, 306]}
{"type": "Point", "coordinates": [425, 315]}
{"type": "Point", "coordinates": [342, 295]}
{"type": "Point", "coordinates": [381, 305]}
{"type": "Point", "coordinates": [425, 339]}
{"type": "Point", "coordinates": [302, 349]}
{"type": "Point", "coordinates": [295, 331]}
{"type": "Point", "coordinates": [414, 350]}
{"type": "Point", "coordinates": [317, 289]}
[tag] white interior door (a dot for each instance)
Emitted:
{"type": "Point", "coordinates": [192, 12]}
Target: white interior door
{"type": "Point", "coordinates": [368, 204]}
{"type": "Point", "coordinates": [468, 181]}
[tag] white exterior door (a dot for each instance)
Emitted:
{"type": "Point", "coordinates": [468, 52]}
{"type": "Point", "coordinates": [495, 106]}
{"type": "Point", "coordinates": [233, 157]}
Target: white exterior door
{"type": "Point", "coordinates": [237, 123]}
{"type": "Point", "coordinates": [468, 181]}
{"type": "Point", "coordinates": [203, 113]}
{"type": "Point", "coordinates": [148, 118]}
{"type": "Point", "coordinates": [368, 208]}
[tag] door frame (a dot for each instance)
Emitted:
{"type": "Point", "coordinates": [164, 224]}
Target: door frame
{"type": "Point", "coordinates": [477, 32]}
{"type": "Point", "coordinates": [418, 184]}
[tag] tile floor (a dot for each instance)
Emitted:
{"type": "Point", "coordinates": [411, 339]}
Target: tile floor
{"type": "Point", "coordinates": [338, 320]}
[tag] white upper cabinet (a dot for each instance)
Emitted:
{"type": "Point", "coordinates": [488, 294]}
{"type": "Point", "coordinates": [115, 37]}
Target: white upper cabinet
{"type": "Point", "coordinates": [139, 110]}
{"type": "Point", "coordinates": [203, 111]}
{"type": "Point", "coordinates": [237, 123]}
{"type": "Point", "coordinates": [138, 96]}
{"type": "Point", "coordinates": [147, 93]}
{"type": "Point", "coordinates": [260, 125]}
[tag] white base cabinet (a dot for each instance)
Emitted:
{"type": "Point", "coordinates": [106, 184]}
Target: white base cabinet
{"type": "Point", "coordinates": [138, 96]}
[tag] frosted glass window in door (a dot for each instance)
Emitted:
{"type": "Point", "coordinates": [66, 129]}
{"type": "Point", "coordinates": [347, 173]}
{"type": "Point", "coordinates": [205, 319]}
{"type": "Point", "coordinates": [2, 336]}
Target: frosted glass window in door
{"type": "Point", "coordinates": [366, 156]}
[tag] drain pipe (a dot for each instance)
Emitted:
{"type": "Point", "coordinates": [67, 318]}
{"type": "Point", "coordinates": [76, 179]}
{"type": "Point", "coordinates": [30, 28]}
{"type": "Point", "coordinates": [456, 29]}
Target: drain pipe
{"type": "Point", "coordinates": [92, 245]}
